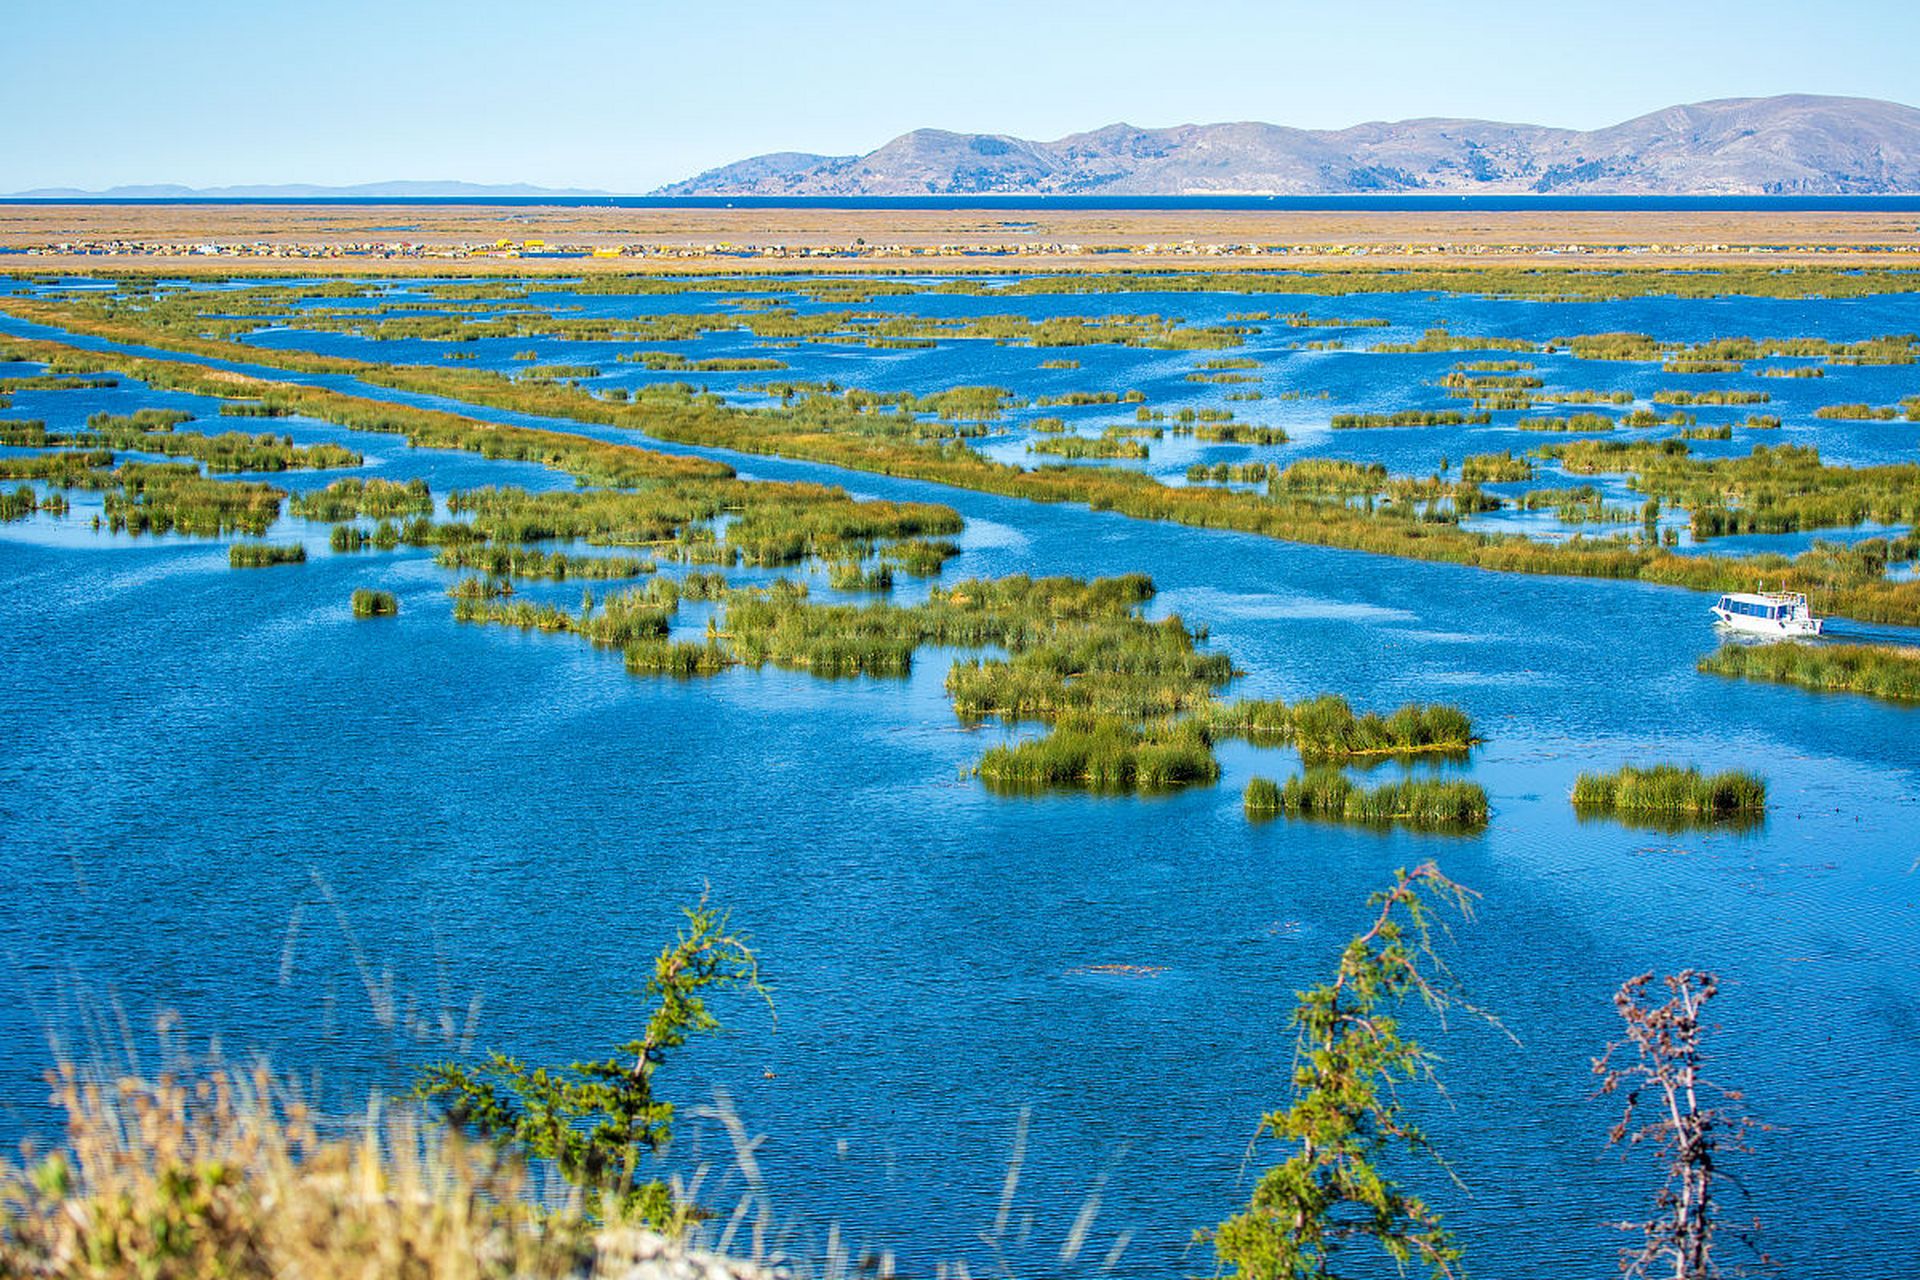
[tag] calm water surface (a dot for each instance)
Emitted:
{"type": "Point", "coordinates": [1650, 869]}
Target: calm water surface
{"type": "Point", "coordinates": [224, 798]}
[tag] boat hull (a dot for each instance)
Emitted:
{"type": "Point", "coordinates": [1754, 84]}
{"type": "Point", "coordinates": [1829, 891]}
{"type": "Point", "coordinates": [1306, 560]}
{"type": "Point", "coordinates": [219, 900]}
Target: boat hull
{"type": "Point", "coordinates": [1773, 628]}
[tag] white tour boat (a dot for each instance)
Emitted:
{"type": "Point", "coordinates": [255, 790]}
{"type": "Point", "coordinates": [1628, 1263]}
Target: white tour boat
{"type": "Point", "coordinates": [1767, 613]}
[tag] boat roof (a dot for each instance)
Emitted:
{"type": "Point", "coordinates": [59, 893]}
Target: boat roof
{"type": "Point", "coordinates": [1767, 597]}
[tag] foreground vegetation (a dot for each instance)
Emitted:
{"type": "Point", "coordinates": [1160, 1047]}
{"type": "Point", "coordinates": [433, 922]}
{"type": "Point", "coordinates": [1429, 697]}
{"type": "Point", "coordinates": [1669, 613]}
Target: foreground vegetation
{"type": "Point", "coordinates": [217, 1174]}
{"type": "Point", "coordinates": [221, 1174]}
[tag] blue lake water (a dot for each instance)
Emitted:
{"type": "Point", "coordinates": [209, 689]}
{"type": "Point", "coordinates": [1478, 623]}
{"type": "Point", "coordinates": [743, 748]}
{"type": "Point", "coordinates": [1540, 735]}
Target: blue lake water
{"type": "Point", "coordinates": [358, 846]}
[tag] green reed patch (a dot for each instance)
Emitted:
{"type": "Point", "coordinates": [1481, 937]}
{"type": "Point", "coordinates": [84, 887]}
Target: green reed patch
{"type": "Point", "coordinates": [23, 502]}
{"type": "Point", "coordinates": [835, 435]}
{"type": "Point", "coordinates": [154, 431]}
{"type": "Point", "coordinates": [1234, 433]}
{"type": "Point", "coordinates": [528, 562]}
{"type": "Point", "coordinates": [1672, 793]}
{"type": "Point", "coordinates": [1711, 397]}
{"type": "Point", "coordinates": [1773, 489]}
{"type": "Point", "coordinates": [1571, 423]}
{"type": "Point", "coordinates": [1408, 418]}
{"type": "Point", "coordinates": [1073, 446]}
{"type": "Point", "coordinates": [620, 619]}
{"type": "Point", "coordinates": [1857, 412]}
{"type": "Point", "coordinates": [175, 497]}
{"type": "Point", "coordinates": [1440, 339]}
{"type": "Point", "coordinates": [1326, 728]}
{"type": "Point", "coordinates": [1495, 468]}
{"type": "Point", "coordinates": [1878, 671]}
{"type": "Point", "coordinates": [261, 555]}
{"type": "Point", "coordinates": [351, 497]}
{"type": "Point", "coordinates": [1425, 804]}
{"type": "Point", "coordinates": [919, 557]}
{"type": "Point", "coordinates": [1101, 754]}
{"type": "Point", "coordinates": [368, 603]}
{"type": "Point", "coordinates": [851, 575]}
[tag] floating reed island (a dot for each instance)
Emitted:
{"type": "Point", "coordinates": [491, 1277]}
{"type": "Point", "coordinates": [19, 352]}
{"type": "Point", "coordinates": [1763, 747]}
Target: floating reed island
{"type": "Point", "coordinates": [1668, 794]}
{"type": "Point", "coordinates": [1425, 804]}
{"type": "Point", "coordinates": [1878, 671]}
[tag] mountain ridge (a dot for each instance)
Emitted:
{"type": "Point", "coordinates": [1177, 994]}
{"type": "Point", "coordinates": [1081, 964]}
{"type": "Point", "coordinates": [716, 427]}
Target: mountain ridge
{"type": "Point", "coordinates": [1795, 144]}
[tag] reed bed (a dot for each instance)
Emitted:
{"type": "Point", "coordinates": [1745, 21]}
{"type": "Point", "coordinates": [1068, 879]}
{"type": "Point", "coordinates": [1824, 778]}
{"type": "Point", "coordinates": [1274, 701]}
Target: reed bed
{"type": "Point", "coordinates": [1667, 791]}
{"type": "Point", "coordinates": [1407, 418]}
{"type": "Point", "coordinates": [473, 588]}
{"type": "Point", "coordinates": [351, 497]}
{"type": "Point", "coordinates": [1232, 472]}
{"type": "Point", "coordinates": [22, 433]}
{"type": "Point", "coordinates": [20, 503]}
{"type": "Point", "coordinates": [1235, 433]}
{"type": "Point", "coordinates": [1878, 671]}
{"type": "Point", "coordinates": [154, 431]}
{"type": "Point", "coordinates": [1857, 412]}
{"type": "Point", "coordinates": [1425, 804]}
{"type": "Point", "coordinates": [385, 536]}
{"type": "Point", "coordinates": [175, 497]}
{"type": "Point", "coordinates": [1072, 446]}
{"type": "Point", "coordinates": [1575, 422]}
{"type": "Point", "coordinates": [1495, 468]}
{"type": "Point", "coordinates": [1773, 489]}
{"type": "Point", "coordinates": [773, 524]}
{"type": "Point", "coordinates": [1326, 728]}
{"type": "Point", "coordinates": [1295, 515]}
{"type": "Point", "coordinates": [852, 575]}
{"type": "Point", "coordinates": [1101, 754]}
{"type": "Point", "coordinates": [658, 657]}
{"type": "Point", "coordinates": [369, 603]}
{"type": "Point", "coordinates": [261, 555]}
{"type": "Point", "coordinates": [527, 562]}
{"type": "Point", "coordinates": [919, 557]}
{"type": "Point", "coordinates": [1725, 355]}
{"type": "Point", "coordinates": [620, 619]}
{"type": "Point", "coordinates": [1711, 397]}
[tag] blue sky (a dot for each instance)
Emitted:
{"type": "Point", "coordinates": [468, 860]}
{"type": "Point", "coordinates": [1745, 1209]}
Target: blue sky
{"type": "Point", "coordinates": [626, 96]}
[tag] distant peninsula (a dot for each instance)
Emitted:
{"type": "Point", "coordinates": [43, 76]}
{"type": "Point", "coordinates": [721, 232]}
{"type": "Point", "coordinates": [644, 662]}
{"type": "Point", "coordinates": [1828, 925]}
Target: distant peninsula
{"type": "Point", "coordinates": [310, 191]}
{"type": "Point", "coordinates": [1797, 145]}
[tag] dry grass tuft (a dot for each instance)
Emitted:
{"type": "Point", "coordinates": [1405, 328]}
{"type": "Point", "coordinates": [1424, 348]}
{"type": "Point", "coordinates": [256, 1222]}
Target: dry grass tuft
{"type": "Point", "coordinates": [227, 1176]}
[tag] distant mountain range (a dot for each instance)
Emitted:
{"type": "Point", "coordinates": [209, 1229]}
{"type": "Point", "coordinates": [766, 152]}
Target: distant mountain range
{"type": "Point", "coordinates": [305, 191]}
{"type": "Point", "coordinates": [1795, 145]}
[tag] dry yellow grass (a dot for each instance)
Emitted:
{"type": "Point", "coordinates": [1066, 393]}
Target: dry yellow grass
{"type": "Point", "coordinates": [920, 239]}
{"type": "Point", "coordinates": [225, 1176]}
